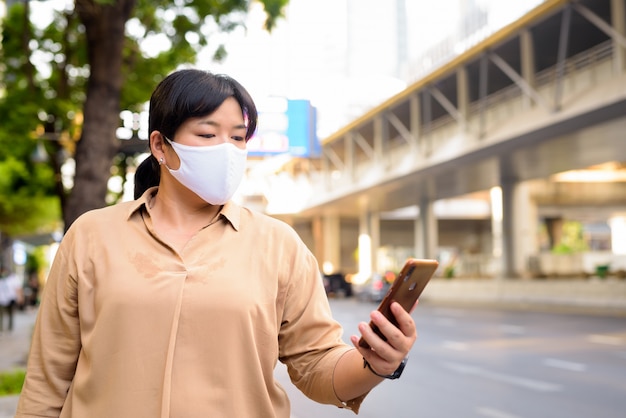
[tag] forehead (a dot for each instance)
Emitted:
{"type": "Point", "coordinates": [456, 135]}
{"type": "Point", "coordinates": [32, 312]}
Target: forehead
{"type": "Point", "coordinates": [229, 108]}
{"type": "Point", "coordinates": [229, 114]}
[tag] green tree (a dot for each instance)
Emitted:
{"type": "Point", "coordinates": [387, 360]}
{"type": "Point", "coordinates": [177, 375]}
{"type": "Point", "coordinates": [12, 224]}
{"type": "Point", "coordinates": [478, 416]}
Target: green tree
{"type": "Point", "coordinates": [93, 66]}
{"type": "Point", "coordinates": [572, 239]}
{"type": "Point", "coordinates": [28, 202]}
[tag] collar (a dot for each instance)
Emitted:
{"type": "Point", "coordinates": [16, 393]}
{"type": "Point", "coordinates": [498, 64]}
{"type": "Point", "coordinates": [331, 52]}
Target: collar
{"type": "Point", "coordinates": [230, 210]}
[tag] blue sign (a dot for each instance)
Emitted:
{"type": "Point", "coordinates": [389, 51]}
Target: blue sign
{"type": "Point", "coordinates": [286, 126]}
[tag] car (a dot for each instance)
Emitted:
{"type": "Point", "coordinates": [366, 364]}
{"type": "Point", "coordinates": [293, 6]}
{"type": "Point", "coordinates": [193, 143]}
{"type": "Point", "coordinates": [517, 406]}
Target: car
{"type": "Point", "coordinates": [373, 289]}
{"type": "Point", "coordinates": [336, 285]}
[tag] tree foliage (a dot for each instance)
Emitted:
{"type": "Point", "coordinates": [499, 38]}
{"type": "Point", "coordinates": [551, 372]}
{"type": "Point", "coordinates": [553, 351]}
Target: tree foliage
{"type": "Point", "coordinates": [28, 203]}
{"type": "Point", "coordinates": [62, 88]}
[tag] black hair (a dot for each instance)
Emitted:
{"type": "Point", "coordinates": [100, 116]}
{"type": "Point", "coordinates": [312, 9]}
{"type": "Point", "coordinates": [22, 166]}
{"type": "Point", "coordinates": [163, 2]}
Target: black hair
{"type": "Point", "coordinates": [186, 94]}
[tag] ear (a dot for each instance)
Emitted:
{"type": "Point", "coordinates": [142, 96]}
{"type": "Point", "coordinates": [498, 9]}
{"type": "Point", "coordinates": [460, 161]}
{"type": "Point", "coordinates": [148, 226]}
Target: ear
{"type": "Point", "coordinates": [157, 145]}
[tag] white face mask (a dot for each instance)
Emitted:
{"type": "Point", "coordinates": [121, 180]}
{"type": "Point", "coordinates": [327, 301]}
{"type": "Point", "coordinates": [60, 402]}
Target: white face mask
{"type": "Point", "coordinates": [212, 172]}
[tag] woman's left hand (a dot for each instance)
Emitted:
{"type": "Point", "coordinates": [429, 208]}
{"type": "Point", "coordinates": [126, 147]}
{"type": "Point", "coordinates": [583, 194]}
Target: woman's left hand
{"type": "Point", "coordinates": [385, 356]}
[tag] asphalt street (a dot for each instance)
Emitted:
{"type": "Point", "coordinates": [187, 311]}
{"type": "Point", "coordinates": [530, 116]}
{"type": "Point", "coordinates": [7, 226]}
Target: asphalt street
{"type": "Point", "coordinates": [494, 363]}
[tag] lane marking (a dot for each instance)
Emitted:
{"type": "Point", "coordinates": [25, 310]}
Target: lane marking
{"type": "Point", "coordinates": [536, 385]}
{"type": "Point", "coordinates": [494, 413]}
{"type": "Point", "coordinates": [605, 339]}
{"type": "Point", "coordinates": [454, 345]}
{"type": "Point", "coordinates": [565, 365]}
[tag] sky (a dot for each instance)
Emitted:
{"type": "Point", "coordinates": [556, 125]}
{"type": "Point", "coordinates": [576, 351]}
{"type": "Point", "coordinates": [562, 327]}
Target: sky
{"type": "Point", "coordinates": [340, 54]}
{"type": "Point", "coordinates": [343, 54]}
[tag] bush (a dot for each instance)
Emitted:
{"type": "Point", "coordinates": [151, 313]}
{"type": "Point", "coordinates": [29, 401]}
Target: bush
{"type": "Point", "coordinates": [11, 382]}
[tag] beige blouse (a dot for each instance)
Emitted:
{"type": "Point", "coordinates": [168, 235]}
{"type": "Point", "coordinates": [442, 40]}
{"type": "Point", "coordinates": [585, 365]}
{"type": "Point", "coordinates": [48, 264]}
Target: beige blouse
{"type": "Point", "coordinates": [128, 327]}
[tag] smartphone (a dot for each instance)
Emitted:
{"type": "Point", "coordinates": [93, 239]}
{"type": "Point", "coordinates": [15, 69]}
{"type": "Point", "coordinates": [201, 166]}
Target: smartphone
{"type": "Point", "coordinates": [405, 290]}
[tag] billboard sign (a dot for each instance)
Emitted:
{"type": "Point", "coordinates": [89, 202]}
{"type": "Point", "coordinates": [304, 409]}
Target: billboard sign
{"type": "Point", "coordinates": [285, 127]}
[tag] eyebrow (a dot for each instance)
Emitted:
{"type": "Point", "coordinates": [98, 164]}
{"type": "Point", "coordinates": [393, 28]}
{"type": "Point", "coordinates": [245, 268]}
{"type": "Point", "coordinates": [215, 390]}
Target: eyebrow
{"type": "Point", "coordinates": [211, 123]}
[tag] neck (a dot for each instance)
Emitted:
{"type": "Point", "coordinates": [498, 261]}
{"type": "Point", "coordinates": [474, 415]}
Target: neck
{"type": "Point", "coordinates": [182, 213]}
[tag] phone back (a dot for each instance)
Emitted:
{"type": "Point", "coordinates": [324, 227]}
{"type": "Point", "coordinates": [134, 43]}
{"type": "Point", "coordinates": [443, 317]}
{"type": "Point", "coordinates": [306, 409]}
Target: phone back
{"type": "Point", "coordinates": [408, 286]}
{"type": "Point", "coordinates": [405, 290]}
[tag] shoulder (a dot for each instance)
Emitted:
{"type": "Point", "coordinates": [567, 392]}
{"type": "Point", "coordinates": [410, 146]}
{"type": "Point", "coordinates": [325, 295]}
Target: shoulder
{"type": "Point", "coordinates": [114, 212]}
{"type": "Point", "coordinates": [279, 240]}
{"type": "Point", "coordinates": [107, 220]}
{"type": "Point", "coordinates": [262, 223]}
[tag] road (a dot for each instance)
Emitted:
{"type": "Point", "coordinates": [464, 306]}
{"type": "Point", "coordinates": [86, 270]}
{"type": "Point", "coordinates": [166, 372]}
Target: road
{"type": "Point", "coordinates": [492, 363]}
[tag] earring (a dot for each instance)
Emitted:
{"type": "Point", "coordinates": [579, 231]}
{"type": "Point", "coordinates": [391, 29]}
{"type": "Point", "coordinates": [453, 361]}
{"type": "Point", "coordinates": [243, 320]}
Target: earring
{"type": "Point", "coordinates": [160, 160]}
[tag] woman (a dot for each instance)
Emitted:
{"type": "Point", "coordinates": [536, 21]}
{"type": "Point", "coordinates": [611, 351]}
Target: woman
{"type": "Point", "coordinates": [180, 303]}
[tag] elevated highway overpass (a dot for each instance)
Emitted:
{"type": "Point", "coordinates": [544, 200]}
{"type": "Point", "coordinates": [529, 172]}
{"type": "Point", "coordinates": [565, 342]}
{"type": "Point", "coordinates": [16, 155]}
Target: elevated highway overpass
{"type": "Point", "coordinates": [542, 96]}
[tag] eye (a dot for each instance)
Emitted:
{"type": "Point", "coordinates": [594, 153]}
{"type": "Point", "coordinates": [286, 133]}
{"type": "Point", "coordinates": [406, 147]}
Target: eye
{"type": "Point", "coordinates": [238, 138]}
{"type": "Point", "coordinates": [208, 135]}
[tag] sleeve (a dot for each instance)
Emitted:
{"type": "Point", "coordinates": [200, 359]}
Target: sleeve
{"type": "Point", "coordinates": [310, 339]}
{"type": "Point", "coordinates": [55, 342]}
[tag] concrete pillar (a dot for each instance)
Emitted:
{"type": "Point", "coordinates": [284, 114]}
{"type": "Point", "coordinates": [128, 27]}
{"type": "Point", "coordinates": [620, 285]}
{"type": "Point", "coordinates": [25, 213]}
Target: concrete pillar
{"type": "Point", "coordinates": [369, 243]}
{"type": "Point", "coordinates": [618, 233]}
{"type": "Point", "coordinates": [514, 223]}
{"type": "Point", "coordinates": [495, 197]}
{"type": "Point", "coordinates": [525, 226]}
{"type": "Point", "coordinates": [419, 238]}
{"type": "Point", "coordinates": [364, 247]}
{"type": "Point", "coordinates": [426, 231]}
{"type": "Point", "coordinates": [331, 249]}
{"type": "Point", "coordinates": [375, 239]}
{"type": "Point", "coordinates": [554, 227]}
{"type": "Point", "coordinates": [509, 221]}
{"type": "Point", "coordinates": [318, 239]}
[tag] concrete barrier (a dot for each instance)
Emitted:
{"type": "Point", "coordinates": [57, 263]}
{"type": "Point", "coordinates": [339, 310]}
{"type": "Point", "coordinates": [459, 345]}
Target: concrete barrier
{"type": "Point", "coordinates": [606, 296]}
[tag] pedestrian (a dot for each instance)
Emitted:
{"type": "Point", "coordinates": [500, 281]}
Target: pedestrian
{"type": "Point", "coordinates": [10, 297]}
{"type": "Point", "coordinates": [31, 290]}
{"type": "Point", "coordinates": [181, 302]}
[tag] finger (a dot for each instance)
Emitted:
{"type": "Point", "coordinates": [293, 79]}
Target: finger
{"type": "Point", "coordinates": [405, 321]}
{"type": "Point", "coordinates": [357, 340]}
{"type": "Point", "coordinates": [367, 353]}
{"type": "Point", "coordinates": [401, 338]}
{"type": "Point", "coordinates": [382, 364]}
{"type": "Point", "coordinates": [393, 337]}
{"type": "Point", "coordinates": [370, 336]}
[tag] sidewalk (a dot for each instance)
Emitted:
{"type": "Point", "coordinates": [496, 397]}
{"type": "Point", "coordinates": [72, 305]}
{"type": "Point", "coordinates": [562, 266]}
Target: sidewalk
{"type": "Point", "coordinates": [14, 347]}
